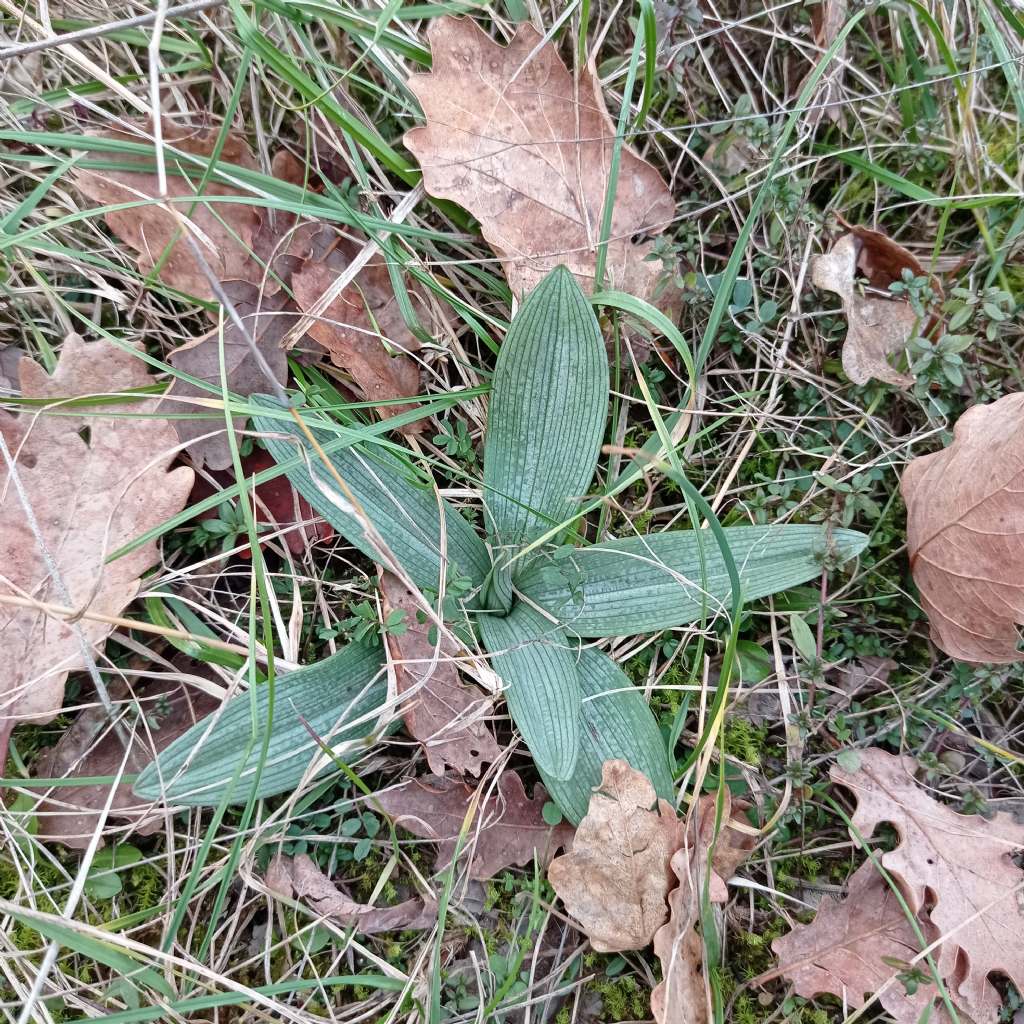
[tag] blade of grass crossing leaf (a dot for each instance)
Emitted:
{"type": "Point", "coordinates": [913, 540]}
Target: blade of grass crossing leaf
{"type": "Point", "coordinates": [537, 663]}
{"type": "Point", "coordinates": [650, 27]}
{"type": "Point", "coordinates": [615, 724]}
{"type": "Point", "coordinates": [613, 165]}
{"type": "Point", "coordinates": [92, 949]}
{"type": "Point", "coordinates": [407, 515]}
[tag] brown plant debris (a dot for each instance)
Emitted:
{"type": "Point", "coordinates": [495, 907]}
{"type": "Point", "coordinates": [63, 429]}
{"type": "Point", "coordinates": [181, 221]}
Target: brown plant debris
{"type": "Point", "coordinates": [513, 139]}
{"type": "Point", "coordinates": [447, 716]}
{"type": "Point", "coordinates": [616, 879]}
{"type": "Point", "coordinates": [94, 482]}
{"type": "Point", "coordinates": [965, 525]}
{"type": "Point", "coordinates": [508, 828]}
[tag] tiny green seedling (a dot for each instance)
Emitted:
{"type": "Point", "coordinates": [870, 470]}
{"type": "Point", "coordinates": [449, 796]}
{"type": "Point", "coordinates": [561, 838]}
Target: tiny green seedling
{"type": "Point", "coordinates": [532, 591]}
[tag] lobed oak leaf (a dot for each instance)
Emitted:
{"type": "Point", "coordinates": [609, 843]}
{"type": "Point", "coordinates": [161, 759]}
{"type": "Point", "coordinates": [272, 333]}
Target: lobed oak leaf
{"type": "Point", "coordinates": [299, 878]}
{"type": "Point", "coordinates": [851, 950]}
{"type": "Point", "coordinates": [513, 139]}
{"type": "Point", "coordinates": [965, 533]}
{"type": "Point", "coordinates": [616, 879]}
{"type": "Point", "coordinates": [448, 717]}
{"type": "Point", "coordinates": [507, 829]}
{"type": "Point", "coordinates": [95, 482]}
{"type": "Point", "coordinates": [957, 869]}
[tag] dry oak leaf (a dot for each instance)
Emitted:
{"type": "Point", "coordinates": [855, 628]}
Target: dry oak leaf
{"type": "Point", "coordinates": [92, 747]}
{"type": "Point", "coordinates": [267, 319]}
{"type": "Point", "coordinates": [965, 533]}
{"type": "Point", "coordinates": [616, 879]}
{"type": "Point", "coordinates": [299, 878]}
{"type": "Point", "coordinates": [843, 951]}
{"type": "Point", "coordinates": [877, 327]}
{"type": "Point", "coordinates": [510, 137]}
{"type": "Point", "coordinates": [95, 483]}
{"type": "Point", "coordinates": [956, 868]}
{"type": "Point", "coordinates": [224, 232]}
{"type": "Point", "coordinates": [447, 716]}
{"type": "Point", "coordinates": [507, 829]}
{"type": "Point", "coordinates": [681, 996]}
{"type": "Point", "coordinates": [363, 328]}
{"type": "Point", "coordinates": [827, 21]}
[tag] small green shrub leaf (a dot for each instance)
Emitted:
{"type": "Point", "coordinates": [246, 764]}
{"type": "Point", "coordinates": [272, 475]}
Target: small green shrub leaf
{"type": "Point", "coordinates": [537, 664]}
{"type": "Point", "coordinates": [643, 584]}
{"type": "Point", "coordinates": [616, 723]}
{"type": "Point", "coordinates": [196, 769]}
{"type": "Point", "coordinates": [403, 510]}
{"type": "Point", "coordinates": [549, 403]}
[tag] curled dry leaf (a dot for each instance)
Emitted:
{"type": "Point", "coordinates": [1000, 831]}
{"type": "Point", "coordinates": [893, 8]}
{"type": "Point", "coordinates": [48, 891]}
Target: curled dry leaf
{"type": "Point", "coordinates": [278, 504]}
{"type": "Point", "coordinates": [844, 951]}
{"type": "Point", "coordinates": [965, 533]}
{"type": "Point", "coordinates": [877, 327]}
{"type": "Point", "coordinates": [616, 879]}
{"type": "Point", "coordinates": [92, 747]}
{"type": "Point", "coordinates": [448, 717]}
{"type": "Point", "coordinates": [955, 869]}
{"type": "Point", "coordinates": [507, 829]}
{"type": "Point", "coordinates": [94, 482]}
{"type": "Point", "coordinates": [300, 878]}
{"type": "Point", "coordinates": [513, 139]}
{"type": "Point", "coordinates": [681, 996]}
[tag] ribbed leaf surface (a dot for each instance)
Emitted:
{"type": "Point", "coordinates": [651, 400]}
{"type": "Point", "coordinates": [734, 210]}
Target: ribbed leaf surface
{"type": "Point", "coordinates": [549, 402]}
{"type": "Point", "coordinates": [537, 664]}
{"type": "Point", "coordinates": [643, 584]}
{"type": "Point", "coordinates": [615, 724]}
{"type": "Point", "coordinates": [196, 768]}
{"type": "Point", "coordinates": [403, 510]}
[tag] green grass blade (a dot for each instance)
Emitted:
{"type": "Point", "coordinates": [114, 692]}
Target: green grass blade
{"type": "Point", "coordinates": [615, 724]}
{"type": "Point", "coordinates": [537, 664]}
{"type": "Point", "coordinates": [643, 584]}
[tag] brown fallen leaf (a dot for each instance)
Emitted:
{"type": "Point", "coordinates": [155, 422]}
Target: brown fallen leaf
{"type": "Point", "coordinates": [510, 137]}
{"type": "Point", "coordinates": [268, 318]}
{"type": "Point", "coordinates": [447, 716]}
{"type": "Point", "coordinates": [95, 483]}
{"type": "Point", "coordinates": [299, 878]}
{"type": "Point", "coordinates": [508, 829]}
{"type": "Point", "coordinates": [91, 747]}
{"type": "Point", "coordinates": [877, 327]}
{"type": "Point", "coordinates": [616, 879]}
{"type": "Point", "coordinates": [957, 869]}
{"type": "Point", "coordinates": [843, 952]}
{"type": "Point", "coordinates": [965, 523]}
{"type": "Point", "coordinates": [362, 329]}
{"type": "Point", "coordinates": [224, 231]}
{"type": "Point", "coordinates": [681, 996]}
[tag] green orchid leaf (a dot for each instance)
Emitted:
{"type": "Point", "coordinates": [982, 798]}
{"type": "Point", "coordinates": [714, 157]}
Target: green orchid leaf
{"type": "Point", "coordinates": [615, 724]}
{"type": "Point", "coordinates": [405, 511]}
{"type": "Point", "coordinates": [549, 403]}
{"type": "Point", "coordinates": [537, 664]}
{"type": "Point", "coordinates": [337, 699]}
{"type": "Point", "coordinates": [643, 584]}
